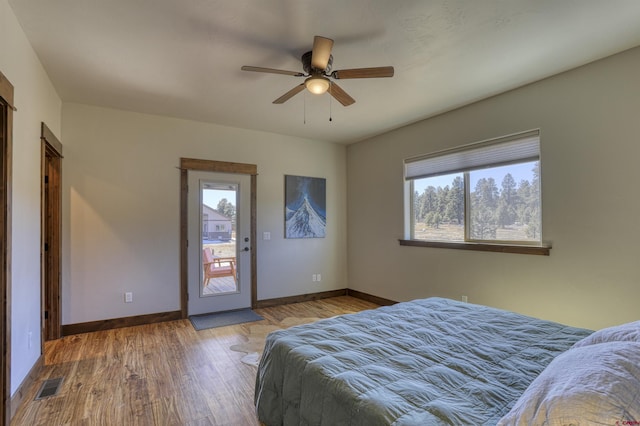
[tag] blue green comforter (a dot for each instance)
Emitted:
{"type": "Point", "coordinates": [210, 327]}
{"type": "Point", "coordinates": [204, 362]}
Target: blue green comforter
{"type": "Point", "coordinates": [426, 362]}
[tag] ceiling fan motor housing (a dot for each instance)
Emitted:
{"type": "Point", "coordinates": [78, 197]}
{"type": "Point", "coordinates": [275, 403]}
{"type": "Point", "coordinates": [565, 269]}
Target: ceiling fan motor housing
{"type": "Point", "coordinates": [306, 64]}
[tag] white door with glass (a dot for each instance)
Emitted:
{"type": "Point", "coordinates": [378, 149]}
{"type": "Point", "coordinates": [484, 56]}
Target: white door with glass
{"type": "Point", "coordinates": [219, 246]}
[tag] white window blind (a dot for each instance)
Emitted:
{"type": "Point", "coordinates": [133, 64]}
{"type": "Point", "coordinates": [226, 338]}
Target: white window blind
{"type": "Point", "coordinates": [518, 148]}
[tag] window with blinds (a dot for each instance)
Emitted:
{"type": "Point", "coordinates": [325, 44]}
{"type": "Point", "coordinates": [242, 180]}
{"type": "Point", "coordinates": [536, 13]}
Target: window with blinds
{"type": "Point", "coordinates": [482, 192]}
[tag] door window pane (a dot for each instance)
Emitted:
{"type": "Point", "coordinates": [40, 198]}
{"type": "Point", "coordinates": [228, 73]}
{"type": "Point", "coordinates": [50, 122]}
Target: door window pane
{"type": "Point", "coordinates": [219, 274]}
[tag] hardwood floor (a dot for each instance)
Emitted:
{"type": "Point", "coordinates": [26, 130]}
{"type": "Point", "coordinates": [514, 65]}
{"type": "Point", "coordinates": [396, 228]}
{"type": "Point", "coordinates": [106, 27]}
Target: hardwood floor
{"type": "Point", "coordinates": [159, 374]}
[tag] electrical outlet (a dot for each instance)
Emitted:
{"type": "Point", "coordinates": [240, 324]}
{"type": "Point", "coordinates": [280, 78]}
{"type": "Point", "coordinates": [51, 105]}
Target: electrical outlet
{"type": "Point", "coordinates": [266, 236]}
{"type": "Point", "coordinates": [128, 297]}
{"type": "Point", "coordinates": [465, 299]}
{"type": "Point", "coordinates": [319, 277]}
{"type": "Point", "coordinates": [314, 278]}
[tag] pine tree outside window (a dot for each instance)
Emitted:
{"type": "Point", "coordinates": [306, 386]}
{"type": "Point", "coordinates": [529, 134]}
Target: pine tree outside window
{"type": "Point", "coordinates": [486, 192]}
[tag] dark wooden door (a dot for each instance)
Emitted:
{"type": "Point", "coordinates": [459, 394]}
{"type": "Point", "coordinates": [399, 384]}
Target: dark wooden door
{"type": "Point", "coordinates": [51, 230]}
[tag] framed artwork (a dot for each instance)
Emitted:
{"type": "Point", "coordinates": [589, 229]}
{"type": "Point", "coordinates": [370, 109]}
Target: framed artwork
{"type": "Point", "coordinates": [305, 212]}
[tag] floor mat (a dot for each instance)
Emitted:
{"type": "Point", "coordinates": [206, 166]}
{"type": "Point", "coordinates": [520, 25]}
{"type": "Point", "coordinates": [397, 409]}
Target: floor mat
{"type": "Point", "coordinates": [220, 319]}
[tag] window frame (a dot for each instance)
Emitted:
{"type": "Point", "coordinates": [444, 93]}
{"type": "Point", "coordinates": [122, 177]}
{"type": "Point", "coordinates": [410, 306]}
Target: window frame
{"type": "Point", "coordinates": [538, 247]}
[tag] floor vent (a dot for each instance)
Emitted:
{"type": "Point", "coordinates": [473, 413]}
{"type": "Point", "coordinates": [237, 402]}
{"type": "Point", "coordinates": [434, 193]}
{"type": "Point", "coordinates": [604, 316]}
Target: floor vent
{"type": "Point", "coordinates": [49, 388]}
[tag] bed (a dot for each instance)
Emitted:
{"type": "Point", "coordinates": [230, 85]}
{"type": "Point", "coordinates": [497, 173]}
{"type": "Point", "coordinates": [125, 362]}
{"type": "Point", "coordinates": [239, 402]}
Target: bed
{"type": "Point", "coordinates": [434, 362]}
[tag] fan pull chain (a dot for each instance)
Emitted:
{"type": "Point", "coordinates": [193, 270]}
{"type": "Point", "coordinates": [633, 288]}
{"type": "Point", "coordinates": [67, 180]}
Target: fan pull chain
{"type": "Point", "coordinates": [304, 118]}
{"type": "Point", "coordinates": [330, 100]}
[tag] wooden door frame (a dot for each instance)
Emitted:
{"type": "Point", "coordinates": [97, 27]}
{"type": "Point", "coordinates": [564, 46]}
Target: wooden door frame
{"type": "Point", "coordinates": [50, 236]}
{"type": "Point", "coordinates": [187, 164]}
{"type": "Point", "coordinates": [6, 109]}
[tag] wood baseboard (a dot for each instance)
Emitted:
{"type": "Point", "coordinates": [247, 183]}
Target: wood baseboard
{"type": "Point", "coordinates": [20, 394]}
{"type": "Point", "coordinates": [370, 298]}
{"type": "Point", "coordinates": [87, 327]}
{"type": "Point", "coordinates": [267, 303]}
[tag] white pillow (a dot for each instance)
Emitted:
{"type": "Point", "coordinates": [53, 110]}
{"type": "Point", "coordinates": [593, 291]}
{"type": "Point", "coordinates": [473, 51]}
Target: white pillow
{"type": "Point", "coordinates": [597, 384]}
{"type": "Point", "coordinates": [629, 332]}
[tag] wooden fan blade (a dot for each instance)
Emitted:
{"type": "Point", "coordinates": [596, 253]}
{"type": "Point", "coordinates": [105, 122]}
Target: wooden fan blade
{"type": "Point", "coordinates": [321, 52]}
{"type": "Point", "coordinates": [271, 71]}
{"type": "Point", "coordinates": [290, 94]}
{"type": "Point", "coordinates": [375, 72]}
{"type": "Point", "coordinates": [340, 95]}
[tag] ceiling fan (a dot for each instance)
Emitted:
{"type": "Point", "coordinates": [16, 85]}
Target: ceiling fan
{"type": "Point", "coordinates": [317, 68]}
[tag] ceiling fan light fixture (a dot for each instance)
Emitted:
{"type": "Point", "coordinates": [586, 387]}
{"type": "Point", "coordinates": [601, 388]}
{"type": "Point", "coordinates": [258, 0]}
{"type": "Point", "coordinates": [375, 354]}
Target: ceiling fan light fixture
{"type": "Point", "coordinates": [317, 84]}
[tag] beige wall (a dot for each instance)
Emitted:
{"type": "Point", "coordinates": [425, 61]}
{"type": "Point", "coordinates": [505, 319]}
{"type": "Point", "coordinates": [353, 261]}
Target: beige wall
{"type": "Point", "coordinates": [121, 186]}
{"type": "Point", "coordinates": [590, 146]}
{"type": "Point", "coordinates": [37, 101]}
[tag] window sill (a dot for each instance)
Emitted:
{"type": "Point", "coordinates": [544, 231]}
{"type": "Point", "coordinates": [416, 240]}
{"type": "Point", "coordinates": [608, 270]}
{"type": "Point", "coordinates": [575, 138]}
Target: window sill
{"type": "Point", "coordinates": [500, 248]}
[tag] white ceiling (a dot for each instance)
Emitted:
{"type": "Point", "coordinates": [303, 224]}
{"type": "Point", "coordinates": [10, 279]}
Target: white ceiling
{"type": "Point", "coordinates": [182, 58]}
